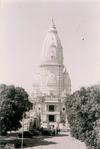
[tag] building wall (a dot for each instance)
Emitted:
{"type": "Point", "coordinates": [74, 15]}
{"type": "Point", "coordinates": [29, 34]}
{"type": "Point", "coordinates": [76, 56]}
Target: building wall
{"type": "Point", "coordinates": [52, 75]}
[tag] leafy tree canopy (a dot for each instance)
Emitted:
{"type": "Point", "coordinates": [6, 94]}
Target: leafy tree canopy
{"type": "Point", "coordinates": [83, 110]}
{"type": "Point", "coordinates": [13, 104]}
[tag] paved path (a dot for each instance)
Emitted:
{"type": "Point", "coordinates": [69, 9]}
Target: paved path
{"type": "Point", "coordinates": [57, 142]}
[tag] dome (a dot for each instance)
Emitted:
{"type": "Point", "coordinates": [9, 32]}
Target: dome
{"type": "Point", "coordinates": [52, 48]}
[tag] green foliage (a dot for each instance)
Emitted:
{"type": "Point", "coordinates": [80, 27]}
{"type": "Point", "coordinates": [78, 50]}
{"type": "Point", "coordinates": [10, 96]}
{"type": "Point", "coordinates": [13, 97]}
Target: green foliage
{"type": "Point", "coordinates": [83, 110]}
{"type": "Point", "coordinates": [13, 104]}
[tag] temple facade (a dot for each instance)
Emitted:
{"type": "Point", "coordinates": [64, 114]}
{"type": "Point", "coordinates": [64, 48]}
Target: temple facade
{"type": "Point", "coordinates": [51, 83]}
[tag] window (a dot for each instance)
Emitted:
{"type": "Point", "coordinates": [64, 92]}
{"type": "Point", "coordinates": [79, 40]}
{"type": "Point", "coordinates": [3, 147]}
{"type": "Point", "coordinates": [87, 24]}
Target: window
{"type": "Point", "coordinates": [51, 108]}
{"type": "Point", "coordinates": [51, 118]}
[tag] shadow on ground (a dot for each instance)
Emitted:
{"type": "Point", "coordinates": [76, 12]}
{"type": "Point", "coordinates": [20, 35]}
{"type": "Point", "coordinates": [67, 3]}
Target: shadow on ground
{"type": "Point", "coordinates": [27, 142]}
{"type": "Point", "coordinates": [40, 140]}
{"type": "Point", "coordinates": [30, 142]}
{"type": "Point", "coordinates": [37, 142]}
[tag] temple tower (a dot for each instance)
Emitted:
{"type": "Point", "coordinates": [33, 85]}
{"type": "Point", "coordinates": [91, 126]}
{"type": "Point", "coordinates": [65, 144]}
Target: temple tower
{"type": "Point", "coordinates": [52, 82]}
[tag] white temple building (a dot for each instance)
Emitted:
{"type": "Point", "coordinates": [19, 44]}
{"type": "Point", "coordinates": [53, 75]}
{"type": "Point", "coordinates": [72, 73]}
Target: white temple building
{"type": "Point", "coordinates": [51, 83]}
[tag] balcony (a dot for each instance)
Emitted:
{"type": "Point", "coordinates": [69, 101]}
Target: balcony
{"type": "Point", "coordinates": [52, 99]}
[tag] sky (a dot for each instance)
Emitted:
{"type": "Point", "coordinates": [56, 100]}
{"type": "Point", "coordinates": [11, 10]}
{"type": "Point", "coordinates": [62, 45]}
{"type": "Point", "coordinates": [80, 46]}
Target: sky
{"type": "Point", "coordinates": [23, 26]}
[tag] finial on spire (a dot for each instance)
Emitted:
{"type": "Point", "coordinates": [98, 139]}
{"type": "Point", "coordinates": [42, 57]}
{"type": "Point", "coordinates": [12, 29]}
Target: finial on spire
{"type": "Point", "coordinates": [52, 26]}
{"type": "Point", "coordinates": [52, 23]}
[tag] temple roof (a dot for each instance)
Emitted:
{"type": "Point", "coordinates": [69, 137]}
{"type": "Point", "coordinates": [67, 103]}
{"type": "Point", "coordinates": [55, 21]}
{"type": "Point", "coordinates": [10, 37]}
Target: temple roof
{"type": "Point", "coordinates": [52, 48]}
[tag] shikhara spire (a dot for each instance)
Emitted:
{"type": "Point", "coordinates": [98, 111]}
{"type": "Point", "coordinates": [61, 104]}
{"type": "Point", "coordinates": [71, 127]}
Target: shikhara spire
{"type": "Point", "coordinates": [53, 78]}
{"type": "Point", "coordinates": [52, 49]}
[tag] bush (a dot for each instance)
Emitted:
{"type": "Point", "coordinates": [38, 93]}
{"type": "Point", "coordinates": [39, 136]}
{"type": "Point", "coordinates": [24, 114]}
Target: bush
{"type": "Point", "coordinates": [83, 110]}
{"type": "Point", "coordinates": [46, 132]}
{"type": "Point", "coordinates": [34, 129]}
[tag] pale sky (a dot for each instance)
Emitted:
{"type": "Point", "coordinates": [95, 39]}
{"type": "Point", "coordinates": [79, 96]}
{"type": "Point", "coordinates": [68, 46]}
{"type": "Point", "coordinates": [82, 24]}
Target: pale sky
{"type": "Point", "coordinates": [23, 26]}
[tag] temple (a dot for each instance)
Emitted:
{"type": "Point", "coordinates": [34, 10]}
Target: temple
{"type": "Point", "coordinates": [51, 84]}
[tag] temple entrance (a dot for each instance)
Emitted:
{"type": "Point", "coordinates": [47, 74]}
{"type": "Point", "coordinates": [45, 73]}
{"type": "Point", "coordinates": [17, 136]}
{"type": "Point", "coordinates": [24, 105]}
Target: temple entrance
{"type": "Point", "coordinates": [51, 118]}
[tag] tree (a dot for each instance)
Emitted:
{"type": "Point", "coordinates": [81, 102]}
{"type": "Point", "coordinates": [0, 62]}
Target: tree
{"type": "Point", "coordinates": [13, 104]}
{"type": "Point", "coordinates": [83, 110]}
